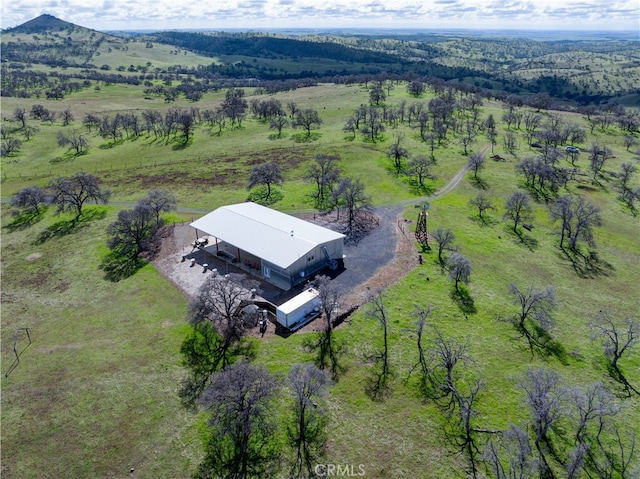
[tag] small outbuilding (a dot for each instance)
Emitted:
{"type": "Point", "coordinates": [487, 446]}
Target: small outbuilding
{"type": "Point", "coordinates": [277, 247]}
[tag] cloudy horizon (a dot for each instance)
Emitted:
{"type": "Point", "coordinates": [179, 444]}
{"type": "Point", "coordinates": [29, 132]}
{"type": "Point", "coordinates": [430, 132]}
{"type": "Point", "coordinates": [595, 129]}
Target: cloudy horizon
{"type": "Point", "coordinates": [594, 15]}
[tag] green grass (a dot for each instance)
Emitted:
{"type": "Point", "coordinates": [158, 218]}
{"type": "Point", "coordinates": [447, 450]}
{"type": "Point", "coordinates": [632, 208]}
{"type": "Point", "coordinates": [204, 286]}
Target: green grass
{"type": "Point", "coordinates": [95, 394]}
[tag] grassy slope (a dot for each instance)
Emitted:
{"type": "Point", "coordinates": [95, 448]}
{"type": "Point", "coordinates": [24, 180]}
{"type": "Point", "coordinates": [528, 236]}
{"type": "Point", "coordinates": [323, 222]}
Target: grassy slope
{"type": "Point", "coordinates": [94, 394]}
{"type": "Point", "coordinates": [103, 369]}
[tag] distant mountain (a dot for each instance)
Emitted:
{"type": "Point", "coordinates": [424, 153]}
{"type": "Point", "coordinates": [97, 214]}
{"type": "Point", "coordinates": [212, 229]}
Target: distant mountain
{"type": "Point", "coordinates": [42, 24]}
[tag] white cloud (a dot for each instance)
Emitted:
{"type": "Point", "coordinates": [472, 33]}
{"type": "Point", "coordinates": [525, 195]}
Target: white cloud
{"type": "Point", "coordinates": [162, 14]}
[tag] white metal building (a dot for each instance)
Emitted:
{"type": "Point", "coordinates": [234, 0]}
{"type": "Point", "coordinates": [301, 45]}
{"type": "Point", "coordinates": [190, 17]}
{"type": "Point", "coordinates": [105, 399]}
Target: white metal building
{"type": "Point", "coordinates": [278, 247]}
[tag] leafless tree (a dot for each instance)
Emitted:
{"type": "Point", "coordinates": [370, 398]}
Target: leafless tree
{"type": "Point", "coordinates": [241, 404]}
{"type": "Point", "coordinates": [398, 153]}
{"type": "Point", "coordinates": [75, 141]}
{"type": "Point", "coordinates": [577, 219]}
{"type": "Point", "coordinates": [278, 122]}
{"type": "Point", "coordinates": [72, 192]}
{"type": "Point", "coordinates": [518, 209]}
{"type": "Point", "coordinates": [519, 461]}
{"type": "Point", "coordinates": [307, 119]}
{"type": "Point", "coordinates": [424, 359]}
{"type": "Point", "coordinates": [306, 432]}
{"type": "Point", "coordinates": [328, 350]}
{"type": "Point", "coordinates": [30, 199]}
{"type": "Point", "coordinates": [20, 114]}
{"type": "Point", "coordinates": [266, 174]}
{"type": "Point", "coordinates": [534, 317]}
{"type": "Point", "coordinates": [543, 398]}
{"type": "Point", "coordinates": [459, 269]}
{"type": "Point", "coordinates": [159, 201]}
{"type": "Point", "coordinates": [445, 238]}
{"type": "Point", "coordinates": [476, 163]}
{"type": "Point", "coordinates": [219, 301]}
{"type": "Point", "coordinates": [419, 166]}
{"type": "Point", "coordinates": [324, 173]}
{"type": "Point", "coordinates": [483, 204]}
{"type": "Point", "coordinates": [132, 231]}
{"type": "Point", "coordinates": [351, 196]}
{"type": "Point", "coordinates": [617, 339]}
{"type": "Point", "coordinates": [67, 116]}
{"type": "Point", "coordinates": [445, 355]}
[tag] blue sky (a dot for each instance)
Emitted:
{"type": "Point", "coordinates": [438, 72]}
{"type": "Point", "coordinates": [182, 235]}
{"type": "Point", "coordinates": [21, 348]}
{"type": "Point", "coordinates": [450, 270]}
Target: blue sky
{"type": "Point", "coordinates": [598, 15]}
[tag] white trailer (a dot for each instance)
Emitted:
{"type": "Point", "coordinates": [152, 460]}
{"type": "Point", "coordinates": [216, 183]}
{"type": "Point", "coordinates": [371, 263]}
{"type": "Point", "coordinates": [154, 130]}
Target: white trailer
{"type": "Point", "coordinates": [299, 310]}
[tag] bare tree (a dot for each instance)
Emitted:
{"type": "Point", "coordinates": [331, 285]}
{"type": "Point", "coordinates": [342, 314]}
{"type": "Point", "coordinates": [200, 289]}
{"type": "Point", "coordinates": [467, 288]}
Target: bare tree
{"type": "Point", "coordinates": [30, 199]}
{"type": "Point", "coordinates": [598, 155]}
{"type": "Point", "coordinates": [483, 204]}
{"type": "Point", "coordinates": [20, 114]}
{"type": "Point", "coordinates": [459, 269]}
{"type": "Point", "coordinates": [67, 116]}
{"type": "Point", "coordinates": [159, 201]}
{"type": "Point", "coordinates": [72, 192]}
{"type": "Point", "coordinates": [324, 173]}
{"type": "Point", "coordinates": [219, 301]}
{"type": "Point", "coordinates": [398, 153]}
{"type": "Point", "coordinates": [351, 196]}
{"type": "Point", "coordinates": [534, 317]}
{"type": "Point", "coordinates": [75, 141]}
{"type": "Point", "coordinates": [131, 232]}
{"type": "Point", "coordinates": [419, 166]}
{"type": "Point", "coordinates": [616, 340]}
{"type": "Point", "coordinates": [543, 398]}
{"type": "Point", "coordinates": [307, 119]}
{"type": "Point", "coordinates": [416, 88]}
{"type": "Point", "coordinates": [518, 209]}
{"type": "Point", "coordinates": [307, 430]}
{"type": "Point", "coordinates": [234, 106]}
{"type": "Point", "coordinates": [445, 238]}
{"type": "Point", "coordinates": [327, 348]}
{"type": "Point", "coordinates": [241, 403]}
{"type": "Point", "coordinates": [266, 174]}
{"type": "Point", "coordinates": [278, 122]}
{"type": "Point", "coordinates": [476, 163]}
{"type": "Point", "coordinates": [577, 219]}
{"type": "Point", "coordinates": [520, 463]}
{"type": "Point", "coordinates": [374, 126]}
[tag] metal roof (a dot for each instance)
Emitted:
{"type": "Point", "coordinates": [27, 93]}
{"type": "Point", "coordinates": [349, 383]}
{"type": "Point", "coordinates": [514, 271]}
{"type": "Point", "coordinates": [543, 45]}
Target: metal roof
{"type": "Point", "coordinates": [276, 237]}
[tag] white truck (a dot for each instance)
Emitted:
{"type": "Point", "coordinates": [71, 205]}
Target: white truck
{"type": "Point", "coordinates": [299, 310]}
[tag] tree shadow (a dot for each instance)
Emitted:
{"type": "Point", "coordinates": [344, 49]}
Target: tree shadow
{"type": "Point", "coordinates": [67, 227]}
{"type": "Point", "coordinates": [589, 265]}
{"type": "Point", "coordinates": [479, 183]}
{"type": "Point", "coordinates": [24, 220]}
{"type": "Point", "coordinates": [524, 239]}
{"type": "Point", "coordinates": [304, 138]}
{"type": "Point", "coordinates": [62, 159]}
{"type": "Point", "coordinates": [421, 189]}
{"type": "Point", "coordinates": [181, 145]}
{"type": "Point", "coordinates": [261, 196]}
{"type": "Point", "coordinates": [463, 299]}
{"type": "Point", "coordinates": [117, 267]}
{"type": "Point", "coordinates": [276, 136]}
{"type": "Point", "coordinates": [377, 386]}
{"type": "Point", "coordinates": [328, 351]}
{"type": "Point", "coordinates": [484, 220]}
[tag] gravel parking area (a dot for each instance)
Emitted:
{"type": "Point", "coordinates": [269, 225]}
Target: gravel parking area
{"type": "Point", "coordinates": [377, 261]}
